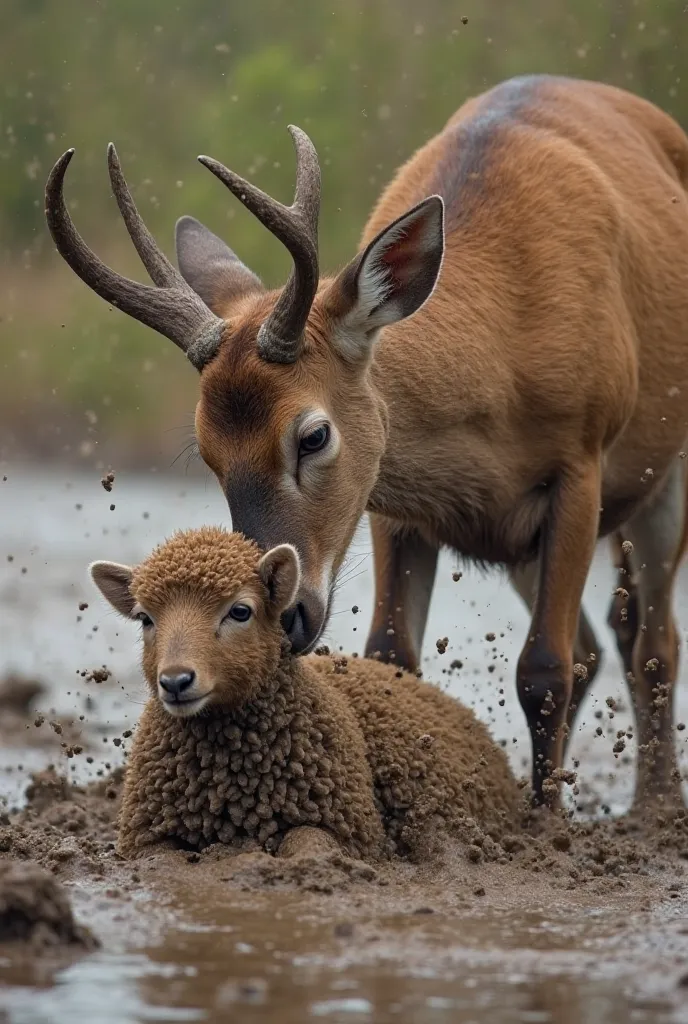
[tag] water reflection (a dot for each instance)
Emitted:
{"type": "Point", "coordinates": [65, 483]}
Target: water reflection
{"type": "Point", "coordinates": [220, 985]}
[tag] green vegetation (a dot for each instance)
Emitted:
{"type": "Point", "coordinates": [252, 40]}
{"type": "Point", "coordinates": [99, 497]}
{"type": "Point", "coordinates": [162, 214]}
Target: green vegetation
{"type": "Point", "coordinates": [369, 81]}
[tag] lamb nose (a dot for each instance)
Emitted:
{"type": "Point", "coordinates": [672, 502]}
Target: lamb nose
{"type": "Point", "coordinates": [175, 683]}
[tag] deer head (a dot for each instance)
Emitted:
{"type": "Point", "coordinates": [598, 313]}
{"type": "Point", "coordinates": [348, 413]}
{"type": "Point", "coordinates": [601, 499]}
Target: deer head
{"type": "Point", "coordinates": [289, 418]}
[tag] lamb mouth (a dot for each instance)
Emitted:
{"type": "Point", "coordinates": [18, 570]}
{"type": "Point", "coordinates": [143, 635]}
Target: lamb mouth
{"type": "Point", "coordinates": [183, 705]}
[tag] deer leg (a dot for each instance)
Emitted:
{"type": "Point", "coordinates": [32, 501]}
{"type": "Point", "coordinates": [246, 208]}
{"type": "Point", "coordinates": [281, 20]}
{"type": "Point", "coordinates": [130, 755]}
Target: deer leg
{"type": "Point", "coordinates": [405, 567]}
{"type": "Point", "coordinates": [657, 533]}
{"type": "Point", "coordinates": [586, 652]}
{"type": "Point", "coordinates": [545, 667]}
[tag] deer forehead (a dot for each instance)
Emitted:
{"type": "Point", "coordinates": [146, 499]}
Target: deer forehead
{"type": "Point", "coordinates": [244, 398]}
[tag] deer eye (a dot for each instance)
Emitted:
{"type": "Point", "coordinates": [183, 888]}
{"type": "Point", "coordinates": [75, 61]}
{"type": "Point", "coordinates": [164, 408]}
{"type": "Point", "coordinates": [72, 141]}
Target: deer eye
{"type": "Point", "coordinates": [315, 441]}
{"type": "Point", "coordinates": [144, 619]}
{"type": "Point", "coordinates": [239, 612]}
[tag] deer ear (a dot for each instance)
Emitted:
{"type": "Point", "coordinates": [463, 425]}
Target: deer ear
{"type": "Point", "coordinates": [113, 581]}
{"type": "Point", "coordinates": [210, 267]}
{"type": "Point", "coordinates": [389, 281]}
{"type": "Point", "coordinates": [280, 571]}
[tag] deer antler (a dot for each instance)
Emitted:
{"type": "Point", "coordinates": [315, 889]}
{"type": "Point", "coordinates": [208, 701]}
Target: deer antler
{"type": "Point", "coordinates": [296, 226]}
{"type": "Point", "coordinates": [172, 308]}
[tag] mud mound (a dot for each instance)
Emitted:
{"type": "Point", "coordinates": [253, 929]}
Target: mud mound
{"type": "Point", "coordinates": [573, 853]}
{"type": "Point", "coordinates": [68, 829]}
{"type": "Point", "coordinates": [34, 909]}
{"type": "Point", "coordinates": [317, 871]}
{"type": "Point", "coordinates": [47, 788]}
{"type": "Point", "coordinates": [71, 831]}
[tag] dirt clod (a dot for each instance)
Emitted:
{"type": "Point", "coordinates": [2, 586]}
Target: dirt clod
{"type": "Point", "coordinates": [34, 909]}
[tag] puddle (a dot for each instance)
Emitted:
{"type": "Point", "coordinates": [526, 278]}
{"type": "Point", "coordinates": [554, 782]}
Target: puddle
{"type": "Point", "coordinates": [274, 965]}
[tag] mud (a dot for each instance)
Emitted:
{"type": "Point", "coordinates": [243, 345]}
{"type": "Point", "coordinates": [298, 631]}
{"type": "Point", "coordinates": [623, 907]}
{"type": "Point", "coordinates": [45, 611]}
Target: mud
{"type": "Point", "coordinates": [72, 830]}
{"type": "Point", "coordinates": [619, 890]}
{"type": "Point", "coordinates": [561, 919]}
{"type": "Point", "coordinates": [35, 911]}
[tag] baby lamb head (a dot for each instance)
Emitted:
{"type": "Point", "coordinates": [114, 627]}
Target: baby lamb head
{"type": "Point", "coordinates": [209, 604]}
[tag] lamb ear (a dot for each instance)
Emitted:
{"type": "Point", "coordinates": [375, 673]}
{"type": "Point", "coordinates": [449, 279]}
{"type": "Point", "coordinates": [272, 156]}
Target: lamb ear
{"type": "Point", "coordinates": [280, 571]}
{"type": "Point", "coordinates": [210, 267]}
{"type": "Point", "coordinates": [113, 581]}
{"type": "Point", "coordinates": [389, 281]}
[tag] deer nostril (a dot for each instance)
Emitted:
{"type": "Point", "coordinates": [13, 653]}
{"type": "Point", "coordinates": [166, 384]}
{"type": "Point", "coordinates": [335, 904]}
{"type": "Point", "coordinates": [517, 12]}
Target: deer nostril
{"type": "Point", "coordinates": [175, 683]}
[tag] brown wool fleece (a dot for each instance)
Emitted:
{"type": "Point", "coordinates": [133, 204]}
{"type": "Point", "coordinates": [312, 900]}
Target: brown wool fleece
{"type": "Point", "coordinates": [293, 755]}
{"type": "Point", "coordinates": [374, 759]}
{"type": "Point", "coordinates": [432, 760]}
{"type": "Point", "coordinates": [208, 562]}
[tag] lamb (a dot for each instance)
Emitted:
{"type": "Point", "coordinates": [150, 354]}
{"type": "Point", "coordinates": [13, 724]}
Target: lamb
{"type": "Point", "coordinates": [240, 741]}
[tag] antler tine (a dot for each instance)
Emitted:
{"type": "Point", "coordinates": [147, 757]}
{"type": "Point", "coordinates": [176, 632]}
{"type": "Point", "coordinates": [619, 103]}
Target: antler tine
{"type": "Point", "coordinates": [174, 311]}
{"type": "Point", "coordinates": [161, 271]}
{"type": "Point", "coordinates": [307, 192]}
{"type": "Point", "coordinates": [296, 226]}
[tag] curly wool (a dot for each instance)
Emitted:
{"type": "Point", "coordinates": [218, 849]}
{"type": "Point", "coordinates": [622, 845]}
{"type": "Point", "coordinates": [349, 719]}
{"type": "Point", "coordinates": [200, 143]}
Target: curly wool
{"type": "Point", "coordinates": [348, 746]}
{"type": "Point", "coordinates": [293, 755]}
{"type": "Point", "coordinates": [432, 760]}
{"type": "Point", "coordinates": [369, 754]}
{"type": "Point", "coordinates": [207, 561]}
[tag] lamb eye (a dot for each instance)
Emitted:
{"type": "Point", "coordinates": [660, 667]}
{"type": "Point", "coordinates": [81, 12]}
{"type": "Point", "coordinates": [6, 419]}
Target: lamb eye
{"type": "Point", "coordinates": [239, 612]}
{"type": "Point", "coordinates": [315, 441]}
{"type": "Point", "coordinates": [144, 619]}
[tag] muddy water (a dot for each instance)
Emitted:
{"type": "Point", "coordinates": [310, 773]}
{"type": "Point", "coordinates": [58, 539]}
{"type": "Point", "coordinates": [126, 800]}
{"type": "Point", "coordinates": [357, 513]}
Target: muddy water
{"type": "Point", "coordinates": [281, 957]}
{"type": "Point", "coordinates": [183, 946]}
{"type": "Point", "coordinates": [521, 967]}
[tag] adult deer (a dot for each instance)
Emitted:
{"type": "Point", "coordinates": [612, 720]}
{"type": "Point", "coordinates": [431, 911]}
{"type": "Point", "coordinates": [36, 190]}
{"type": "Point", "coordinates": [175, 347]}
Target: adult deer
{"type": "Point", "coordinates": [536, 402]}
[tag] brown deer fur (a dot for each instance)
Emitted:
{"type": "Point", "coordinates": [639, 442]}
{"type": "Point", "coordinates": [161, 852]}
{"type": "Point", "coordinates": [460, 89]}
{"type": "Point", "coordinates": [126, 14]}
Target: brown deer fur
{"type": "Point", "coordinates": [535, 402]}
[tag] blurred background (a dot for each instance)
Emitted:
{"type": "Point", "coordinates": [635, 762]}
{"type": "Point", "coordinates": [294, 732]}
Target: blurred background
{"type": "Point", "coordinates": [166, 81]}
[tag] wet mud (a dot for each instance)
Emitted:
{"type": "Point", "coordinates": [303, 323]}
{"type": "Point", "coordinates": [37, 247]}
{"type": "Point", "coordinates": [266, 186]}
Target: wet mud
{"type": "Point", "coordinates": [576, 917]}
{"type": "Point", "coordinates": [35, 911]}
{"type": "Point", "coordinates": [595, 908]}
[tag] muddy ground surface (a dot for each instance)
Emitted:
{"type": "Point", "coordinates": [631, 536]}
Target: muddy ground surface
{"type": "Point", "coordinates": [582, 921]}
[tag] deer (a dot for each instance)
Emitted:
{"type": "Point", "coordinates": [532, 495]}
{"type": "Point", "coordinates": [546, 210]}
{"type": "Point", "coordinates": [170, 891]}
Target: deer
{"type": "Point", "coordinates": [501, 371]}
